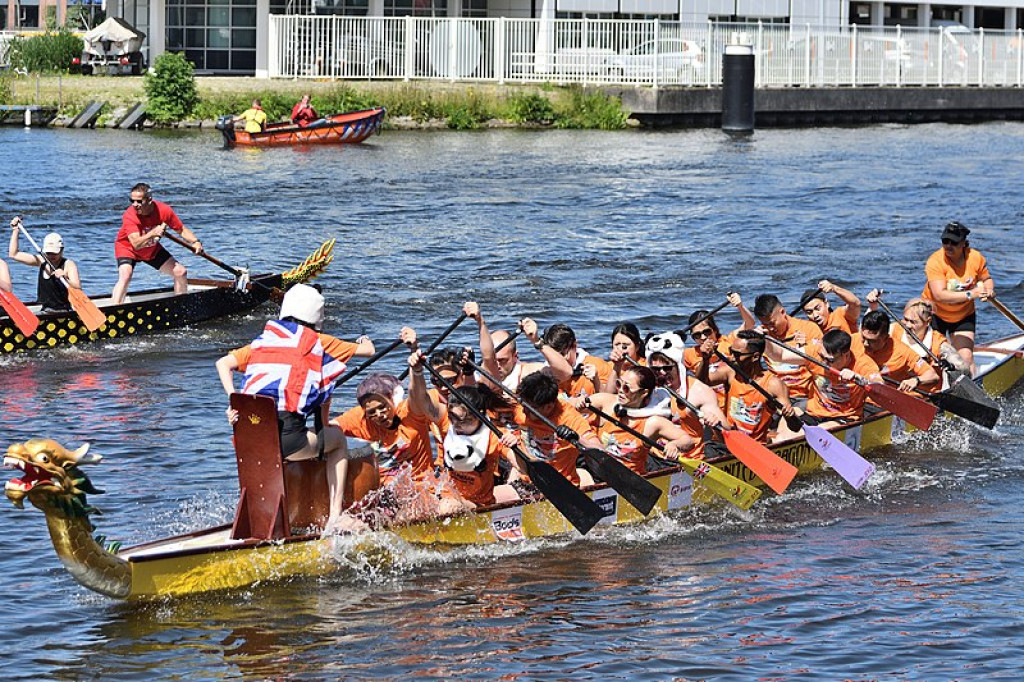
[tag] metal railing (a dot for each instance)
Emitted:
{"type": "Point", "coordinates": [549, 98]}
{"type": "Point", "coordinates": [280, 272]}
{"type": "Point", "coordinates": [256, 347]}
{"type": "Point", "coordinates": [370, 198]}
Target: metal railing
{"type": "Point", "coordinates": [642, 53]}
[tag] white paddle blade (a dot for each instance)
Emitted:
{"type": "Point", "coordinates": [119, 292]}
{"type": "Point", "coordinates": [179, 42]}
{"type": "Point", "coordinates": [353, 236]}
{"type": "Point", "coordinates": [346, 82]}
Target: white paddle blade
{"type": "Point", "coordinates": [851, 466]}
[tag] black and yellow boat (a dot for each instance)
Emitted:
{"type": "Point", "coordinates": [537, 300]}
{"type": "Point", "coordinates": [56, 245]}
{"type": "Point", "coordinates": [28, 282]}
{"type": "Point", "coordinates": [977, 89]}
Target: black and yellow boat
{"type": "Point", "coordinates": [155, 310]}
{"type": "Point", "coordinates": [274, 532]}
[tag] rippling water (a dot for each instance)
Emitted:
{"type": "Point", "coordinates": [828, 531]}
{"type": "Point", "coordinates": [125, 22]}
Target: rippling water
{"type": "Point", "coordinates": [914, 577]}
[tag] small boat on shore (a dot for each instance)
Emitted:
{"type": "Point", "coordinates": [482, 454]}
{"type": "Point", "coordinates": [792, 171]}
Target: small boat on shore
{"type": "Point", "coordinates": [275, 533]}
{"type": "Point", "coordinates": [153, 310]}
{"type": "Point", "coordinates": [348, 128]}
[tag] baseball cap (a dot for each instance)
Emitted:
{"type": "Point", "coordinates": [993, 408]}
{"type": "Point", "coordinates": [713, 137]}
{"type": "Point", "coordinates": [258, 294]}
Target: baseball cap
{"type": "Point", "coordinates": [53, 243]}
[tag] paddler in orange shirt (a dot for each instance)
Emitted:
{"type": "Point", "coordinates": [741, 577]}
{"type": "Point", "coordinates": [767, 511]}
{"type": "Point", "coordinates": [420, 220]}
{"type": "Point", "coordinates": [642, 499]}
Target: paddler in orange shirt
{"type": "Point", "coordinates": [803, 334]}
{"type": "Point", "coordinates": [895, 359]}
{"type": "Point", "coordinates": [665, 358]}
{"type": "Point", "coordinates": [957, 274]}
{"type": "Point", "coordinates": [701, 359]}
{"type": "Point", "coordinates": [839, 400]}
{"type": "Point", "coordinates": [505, 364]}
{"type": "Point", "coordinates": [643, 406]}
{"type": "Point", "coordinates": [589, 373]}
{"type": "Point", "coordinates": [917, 316]}
{"type": "Point", "coordinates": [627, 349]}
{"type": "Point", "coordinates": [818, 310]}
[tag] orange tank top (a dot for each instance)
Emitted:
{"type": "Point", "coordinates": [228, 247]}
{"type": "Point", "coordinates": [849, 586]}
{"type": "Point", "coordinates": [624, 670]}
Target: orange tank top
{"type": "Point", "coordinates": [748, 410]}
{"type": "Point", "coordinates": [688, 421]}
{"type": "Point", "coordinates": [623, 445]}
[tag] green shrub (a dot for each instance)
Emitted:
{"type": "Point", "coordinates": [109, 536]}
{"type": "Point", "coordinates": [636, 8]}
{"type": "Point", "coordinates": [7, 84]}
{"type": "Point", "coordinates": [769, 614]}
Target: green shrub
{"type": "Point", "coordinates": [531, 108]}
{"type": "Point", "coordinates": [171, 88]}
{"type": "Point", "coordinates": [6, 96]}
{"type": "Point", "coordinates": [51, 51]}
{"type": "Point", "coordinates": [591, 110]}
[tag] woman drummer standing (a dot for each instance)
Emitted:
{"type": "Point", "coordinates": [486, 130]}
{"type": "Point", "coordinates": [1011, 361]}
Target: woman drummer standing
{"type": "Point", "coordinates": [957, 274]}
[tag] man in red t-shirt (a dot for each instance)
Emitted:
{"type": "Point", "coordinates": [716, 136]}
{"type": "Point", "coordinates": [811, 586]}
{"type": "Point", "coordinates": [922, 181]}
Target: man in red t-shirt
{"type": "Point", "coordinates": [142, 225]}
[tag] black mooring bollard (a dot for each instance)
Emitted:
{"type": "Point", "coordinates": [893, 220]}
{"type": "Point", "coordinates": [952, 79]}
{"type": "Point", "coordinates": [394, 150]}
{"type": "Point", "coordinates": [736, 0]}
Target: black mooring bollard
{"type": "Point", "coordinates": [738, 89]}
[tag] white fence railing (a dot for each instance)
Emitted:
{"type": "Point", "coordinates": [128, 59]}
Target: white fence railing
{"type": "Point", "coordinates": [643, 53]}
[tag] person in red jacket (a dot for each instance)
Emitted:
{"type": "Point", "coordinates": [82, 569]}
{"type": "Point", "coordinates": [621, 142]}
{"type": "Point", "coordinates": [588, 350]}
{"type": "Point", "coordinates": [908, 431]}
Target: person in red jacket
{"type": "Point", "coordinates": [303, 112]}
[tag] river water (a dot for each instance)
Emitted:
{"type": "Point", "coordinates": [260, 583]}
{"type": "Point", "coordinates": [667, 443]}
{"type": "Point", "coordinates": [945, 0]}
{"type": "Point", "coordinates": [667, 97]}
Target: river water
{"type": "Point", "coordinates": [915, 577]}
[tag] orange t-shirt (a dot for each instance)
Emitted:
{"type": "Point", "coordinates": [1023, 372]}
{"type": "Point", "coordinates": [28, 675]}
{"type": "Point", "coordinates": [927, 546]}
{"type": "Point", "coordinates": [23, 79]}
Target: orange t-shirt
{"type": "Point", "coordinates": [688, 421]}
{"type": "Point", "coordinates": [896, 360]}
{"type": "Point", "coordinates": [338, 349]}
{"type": "Point", "coordinates": [539, 440]}
{"type": "Point", "coordinates": [624, 446]}
{"type": "Point", "coordinates": [833, 398]}
{"type": "Point", "coordinates": [747, 410]}
{"type": "Point", "coordinates": [837, 320]}
{"type": "Point", "coordinates": [692, 359]}
{"type": "Point", "coordinates": [478, 486]}
{"type": "Point", "coordinates": [409, 442]}
{"type": "Point", "coordinates": [796, 376]}
{"type": "Point", "coordinates": [975, 270]}
{"type": "Point", "coordinates": [580, 385]}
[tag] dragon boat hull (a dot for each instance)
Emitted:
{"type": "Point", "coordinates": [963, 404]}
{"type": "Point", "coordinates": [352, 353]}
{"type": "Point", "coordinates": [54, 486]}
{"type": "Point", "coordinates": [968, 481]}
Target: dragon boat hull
{"type": "Point", "coordinates": [348, 128]}
{"type": "Point", "coordinates": [155, 310]}
{"type": "Point", "coordinates": [210, 560]}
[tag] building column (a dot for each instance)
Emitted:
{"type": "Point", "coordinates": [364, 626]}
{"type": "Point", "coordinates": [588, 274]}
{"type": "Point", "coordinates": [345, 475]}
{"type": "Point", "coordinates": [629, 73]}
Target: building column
{"type": "Point", "coordinates": [12, 15]}
{"type": "Point", "coordinates": [263, 39]}
{"type": "Point", "coordinates": [157, 29]}
{"type": "Point", "coordinates": [968, 17]}
{"type": "Point", "coordinates": [924, 14]}
{"type": "Point", "coordinates": [1011, 19]}
{"type": "Point", "coordinates": [375, 8]}
{"type": "Point", "coordinates": [42, 14]}
{"type": "Point", "coordinates": [877, 13]}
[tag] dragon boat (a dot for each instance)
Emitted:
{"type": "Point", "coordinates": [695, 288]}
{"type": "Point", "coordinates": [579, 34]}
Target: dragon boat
{"type": "Point", "coordinates": [348, 128]}
{"type": "Point", "coordinates": [154, 310]}
{"type": "Point", "coordinates": [275, 532]}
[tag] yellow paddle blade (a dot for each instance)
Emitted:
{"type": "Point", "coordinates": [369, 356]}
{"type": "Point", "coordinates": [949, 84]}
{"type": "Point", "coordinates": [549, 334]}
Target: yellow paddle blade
{"type": "Point", "coordinates": [316, 263]}
{"type": "Point", "coordinates": [722, 483]}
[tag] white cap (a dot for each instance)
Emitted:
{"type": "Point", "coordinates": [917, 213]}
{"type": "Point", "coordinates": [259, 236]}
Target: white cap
{"type": "Point", "coordinates": [53, 243]}
{"type": "Point", "coordinates": [304, 303]}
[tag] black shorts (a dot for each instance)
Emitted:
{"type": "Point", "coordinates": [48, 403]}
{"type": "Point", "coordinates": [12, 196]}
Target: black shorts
{"type": "Point", "coordinates": [156, 262]}
{"type": "Point", "coordinates": [968, 324]}
{"type": "Point", "coordinates": [293, 432]}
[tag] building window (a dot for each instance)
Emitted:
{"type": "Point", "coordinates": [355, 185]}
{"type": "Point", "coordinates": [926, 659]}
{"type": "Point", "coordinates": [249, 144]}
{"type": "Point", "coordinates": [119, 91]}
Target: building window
{"type": "Point", "coordinates": [900, 15]}
{"type": "Point", "coordinates": [474, 8]}
{"type": "Point", "coordinates": [415, 8]}
{"type": "Point", "coordinates": [860, 13]}
{"type": "Point", "coordinates": [215, 35]}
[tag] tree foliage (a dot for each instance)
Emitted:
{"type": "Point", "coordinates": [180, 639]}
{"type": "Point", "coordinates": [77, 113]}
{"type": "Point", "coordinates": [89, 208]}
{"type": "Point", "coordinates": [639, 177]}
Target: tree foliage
{"type": "Point", "coordinates": [171, 91]}
{"type": "Point", "coordinates": [51, 51]}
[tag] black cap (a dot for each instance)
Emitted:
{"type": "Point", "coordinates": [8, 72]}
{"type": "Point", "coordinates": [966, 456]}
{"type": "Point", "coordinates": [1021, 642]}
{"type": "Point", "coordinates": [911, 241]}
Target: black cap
{"type": "Point", "coordinates": [955, 231]}
{"type": "Point", "coordinates": [812, 294]}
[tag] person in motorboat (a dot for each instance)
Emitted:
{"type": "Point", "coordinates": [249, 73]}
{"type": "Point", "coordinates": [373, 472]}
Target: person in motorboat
{"type": "Point", "coordinates": [644, 407]}
{"type": "Point", "coordinates": [821, 313]}
{"type": "Point", "coordinates": [254, 117]}
{"type": "Point", "coordinates": [894, 358]}
{"type": "Point", "coordinates": [296, 364]}
{"type": "Point", "coordinates": [956, 274]}
{"type": "Point", "coordinates": [52, 294]}
{"type": "Point", "coordinates": [665, 358]}
{"type": "Point", "coordinates": [303, 113]}
{"type": "Point", "coordinates": [138, 241]}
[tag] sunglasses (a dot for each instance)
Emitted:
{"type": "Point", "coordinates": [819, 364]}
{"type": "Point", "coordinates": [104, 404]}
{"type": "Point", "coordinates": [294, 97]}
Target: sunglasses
{"type": "Point", "coordinates": [949, 242]}
{"type": "Point", "coordinates": [620, 386]}
{"type": "Point", "coordinates": [703, 334]}
{"type": "Point", "coordinates": [662, 369]}
{"type": "Point", "coordinates": [737, 355]}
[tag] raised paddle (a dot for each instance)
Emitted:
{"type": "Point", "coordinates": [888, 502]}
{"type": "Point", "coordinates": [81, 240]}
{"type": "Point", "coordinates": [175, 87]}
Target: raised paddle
{"type": "Point", "coordinates": [23, 318]}
{"type": "Point", "coordinates": [703, 318]}
{"type": "Point", "coordinates": [843, 459]}
{"type": "Point", "coordinates": [776, 472]}
{"type": "Point", "coordinates": [509, 339]}
{"type": "Point", "coordinates": [964, 398]}
{"type": "Point", "coordinates": [1005, 311]}
{"type": "Point", "coordinates": [574, 504]}
{"type": "Point", "coordinates": [804, 300]}
{"type": "Point", "coordinates": [636, 490]}
{"type": "Point", "coordinates": [918, 412]}
{"type": "Point", "coordinates": [437, 342]}
{"type": "Point", "coordinates": [92, 317]}
{"type": "Point", "coordinates": [718, 481]}
{"type": "Point", "coordinates": [369, 361]}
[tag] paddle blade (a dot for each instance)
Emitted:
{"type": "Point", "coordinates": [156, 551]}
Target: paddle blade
{"type": "Point", "coordinates": [91, 316]}
{"type": "Point", "coordinates": [913, 410]}
{"type": "Point", "coordinates": [722, 483]}
{"type": "Point", "coordinates": [574, 504]}
{"type": "Point", "coordinates": [776, 472]}
{"type": "Point", "coordinates": [633, 487]}
{"type": "Point", "coordinates": [24, 320]}
{"type": "Point", "coordinates": [968, 400]}
{"type": "Point", "coordinates": [847, 463]}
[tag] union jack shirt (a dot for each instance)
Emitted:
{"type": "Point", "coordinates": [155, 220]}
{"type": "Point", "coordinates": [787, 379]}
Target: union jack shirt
{"type": "Point", "coordinates": [289, 364]}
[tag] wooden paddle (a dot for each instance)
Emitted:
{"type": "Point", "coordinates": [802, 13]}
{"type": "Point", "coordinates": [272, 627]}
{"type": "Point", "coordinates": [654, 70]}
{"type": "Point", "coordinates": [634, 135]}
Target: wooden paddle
{"type": "Point", "coordinates": [845, 460]}
{"type": "Point", "coordinates": [241, 275]}
{"type": "Point", "coordinates": [369, 361]}
{"type": "Point", "coordinates": [23, 318]}
{"type": "Point", "coordinates": [437, 342]}
{"type": "Point", "coordinates": [718, 481]}
{"type": "Point", "coordinates": [637, 490]}
{"type": "Point", "coordinates": [776, 472]}
{"type": "Point", "coordinates": [804, 301]}
{"type": "Point", "coordinates": [964, 398]}
{"type": "Point", "coordinates": [1005, 311]}
{"type": "Point", "coordinates": [92, 317]}
{"type": "Point", "coordinates": [918, 412]}
{"type": "Point", "coordinates": [574, 504]}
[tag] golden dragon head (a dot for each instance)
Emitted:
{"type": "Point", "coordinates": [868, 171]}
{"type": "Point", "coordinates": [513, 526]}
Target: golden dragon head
{"type": "Point", "coordinates": [52, 480]}
{"type": "Point", "coordinates": [311, 267]}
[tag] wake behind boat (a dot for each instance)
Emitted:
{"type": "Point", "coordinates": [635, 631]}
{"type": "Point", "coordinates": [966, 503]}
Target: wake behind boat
{"type": "Point", "coordinates": [347, 128]}
{"type": "Point", "coordinates": [275, 533]}
{"type": "Point", "coordinates": [155, 310]}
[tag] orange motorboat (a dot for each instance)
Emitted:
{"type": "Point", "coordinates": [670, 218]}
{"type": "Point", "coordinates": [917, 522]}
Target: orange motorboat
{"type": "Point", "coordinates": [348, 128]}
